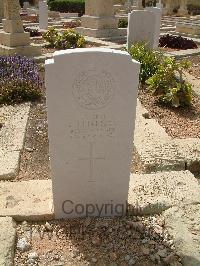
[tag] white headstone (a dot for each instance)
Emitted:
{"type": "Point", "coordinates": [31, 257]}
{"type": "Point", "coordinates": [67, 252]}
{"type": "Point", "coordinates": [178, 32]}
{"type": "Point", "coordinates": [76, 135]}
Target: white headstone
{"type": "Point", "coordinates": [159, 4]}
{"type": "Point", "coordinates": [26, 5]}
{"type": "Point", "coordinates": [158, 14]}
{"type": "Point", "coordinates": [141, 27]}
{"type": "Point", "coordinates": [91, 112]}
{"type": "Point", "coordinates": [43, 15]}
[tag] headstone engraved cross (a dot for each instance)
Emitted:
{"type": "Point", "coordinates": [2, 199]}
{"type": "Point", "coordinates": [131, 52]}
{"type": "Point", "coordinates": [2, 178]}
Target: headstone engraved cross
{"type": "Point", "coordinates": [91, 160]}
{"type": "Point", "coordinates": [91, 126]}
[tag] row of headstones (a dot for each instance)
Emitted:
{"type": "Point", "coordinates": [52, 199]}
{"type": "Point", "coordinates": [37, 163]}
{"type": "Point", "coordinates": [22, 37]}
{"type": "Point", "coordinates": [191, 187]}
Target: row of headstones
{"type": "Point", "coordinates": [43, 12]}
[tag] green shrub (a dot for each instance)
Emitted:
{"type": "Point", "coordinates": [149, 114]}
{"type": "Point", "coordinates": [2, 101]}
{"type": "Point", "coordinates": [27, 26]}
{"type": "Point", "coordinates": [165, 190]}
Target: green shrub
{"type": "Point", "coordinates": [123, 23]}
{"type": "Point", "coordinates": [168, 83]}
{"type": "Point", "coordinates": [149, 60]}
{"type": "Point", "coordinates": [73, 6]}
{"type": "Point", "coordinates": [51, 36]}
{"type": "Point", "coordinates": [66, 40]}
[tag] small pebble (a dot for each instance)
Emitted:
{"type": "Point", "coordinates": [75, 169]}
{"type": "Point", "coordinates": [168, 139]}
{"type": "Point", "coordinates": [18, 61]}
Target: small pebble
{"type": "Point", "coordinates": [127, 258]}
{"type": "Point", "coordinates": [131, 262]}
{"type": "Point", "coordinates": [33, 255]}
{"type": "Point", "coordinates": [94, 260]}
{"type": "Point", "coordinates": [23, 245]}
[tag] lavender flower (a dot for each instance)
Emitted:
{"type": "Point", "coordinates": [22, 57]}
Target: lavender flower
{"type": "Point", "coordinates": [19, 79]}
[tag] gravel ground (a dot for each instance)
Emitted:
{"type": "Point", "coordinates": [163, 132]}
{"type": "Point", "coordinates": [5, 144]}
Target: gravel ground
{"type": "Point", "coordinates": [182, 122]}
{"type": "Point", "coordinates": [35, 156]}
{"type": "Point", "coordinates": [140, 241]}
{"type": "Point", "coordinates": [34, 163]}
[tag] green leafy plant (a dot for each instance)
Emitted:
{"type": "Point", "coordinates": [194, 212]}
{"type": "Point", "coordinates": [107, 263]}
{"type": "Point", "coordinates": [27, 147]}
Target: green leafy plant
{"type": "Point", "coordinates": [168, 83]}
{"type": "Point", "coordinates": [51, 36]}
{"type": "Point", "coordinates": [148, 58]}
{"type": "Point", "coordinates": [123, 23]}
{"type": "Point", "coordinates": [66, 40]}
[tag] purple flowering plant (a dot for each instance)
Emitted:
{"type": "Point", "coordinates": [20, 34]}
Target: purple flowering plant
{"type": "Point", "coordinates": [19, 80]}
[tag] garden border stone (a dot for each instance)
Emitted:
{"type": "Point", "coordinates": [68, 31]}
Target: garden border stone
{"type": "Point", "coordinates": [148, 194]}
{"type": "Point", "coordinates": [159, 152]}
{"type": "Point", "coordinates": [7, 241]}
{"type": "Point", "coordinates": [12, 136]}
{"type": "Point", "coordinates": [184, 53]}
{"type": "Point", "coordinates": [183, 223]}
{"type": "Point", "coordinates": [156, 192]}
{"type": "Point", "coordinates": [27, 200]}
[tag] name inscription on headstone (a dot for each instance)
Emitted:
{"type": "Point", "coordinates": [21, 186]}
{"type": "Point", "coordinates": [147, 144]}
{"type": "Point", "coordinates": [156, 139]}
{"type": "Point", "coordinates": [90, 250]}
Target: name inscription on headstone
{"type": "Point", "coordinates": [97, 126]}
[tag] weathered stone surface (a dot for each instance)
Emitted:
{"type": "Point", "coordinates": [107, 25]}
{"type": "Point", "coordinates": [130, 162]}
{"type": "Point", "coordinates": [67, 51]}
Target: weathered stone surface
{"type": "Point", "coordinates": [183, 223]}
{"type": "Point", "coordinates": [190, 151]}
{"type": "Point", "coordinates": [148, 194]}
{"type": "Point", "coordinates": [7, 241]}
{"type": "Point", "coordinates": [99, 20]}
{"type": "Point", "coordinates": [27, 200]}
{"type": "Point", "coordinates": [14, 39]}
{"type": "Point", "coordinates": [148, 130]}
{"type": "Point", "coordinates": [153, 193]}
{"type": "Point", "coordinates": [158, 151]}
{"type": "Point", "coordinates": [28, 50]}
{"type": "Point", "coordinates": [12, 136]}
{"type": "Point", "coordinates": [12, 9]}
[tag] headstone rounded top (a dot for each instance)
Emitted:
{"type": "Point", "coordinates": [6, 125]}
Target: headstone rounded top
{"type": "Point", "coordinates": [93, 89]}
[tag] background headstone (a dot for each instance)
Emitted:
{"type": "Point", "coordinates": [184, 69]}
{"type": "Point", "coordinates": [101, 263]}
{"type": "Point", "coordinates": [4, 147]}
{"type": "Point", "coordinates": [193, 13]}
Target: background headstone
{"type": "Point", "coordinates": [26, 5]}
{"type": "Point", "coordinates": [13, 39]}
{"type": "Point", "coordinates": [141, 27]}
{"type": "Point", "coordinates": [43, 15]}
{"type": "Point", "coordinates": [99, 20]}
{"type": "Point", "coordinates": [158, 14]}
{"type": "Point", "coordinates": [91, 127]}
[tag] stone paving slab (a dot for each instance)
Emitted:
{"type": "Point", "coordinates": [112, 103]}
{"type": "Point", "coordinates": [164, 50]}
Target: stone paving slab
{"type": "Point", "coordinates": [7, 241]}
{"type": "Point", "coordinates": [148, 194]}
{"type": "Point", "coordinates": [154, 193]}
{"type": "Point", "coordinates": [159, 152]}
{"type": "Point", "coordinates": [183, 223]}
{"type": "Point", "coordinates": [12, 136]}
{"type": "Point", "coordinates": [26, 200]}
{"type": "Point", "coordinates": [148, 129]}
{"type": "Point", "coordinates": [184, 53]}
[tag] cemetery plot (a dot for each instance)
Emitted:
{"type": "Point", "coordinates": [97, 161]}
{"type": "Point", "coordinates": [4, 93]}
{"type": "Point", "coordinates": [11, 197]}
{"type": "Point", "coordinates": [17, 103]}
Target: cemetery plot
{"type": "Point", "coordinates": [91, 96]}
{"type": "Point", "coordinates": [181, 123]}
